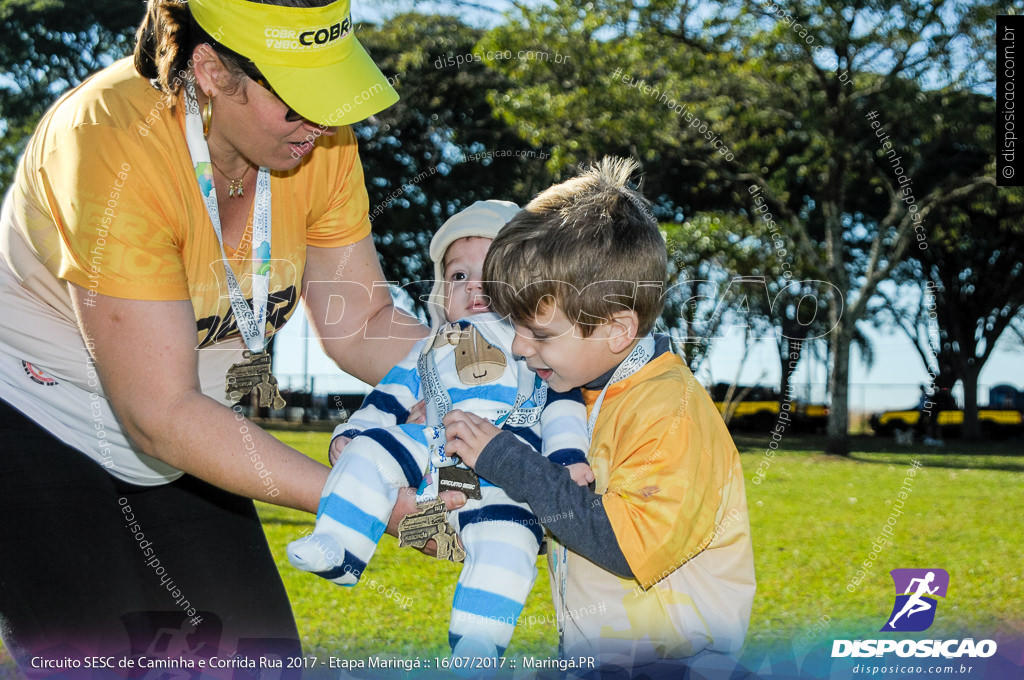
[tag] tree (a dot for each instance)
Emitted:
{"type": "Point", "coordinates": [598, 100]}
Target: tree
{"type": "Point", "coordinates": [703, 258]}
{"type": "Point", "coordinates": [440, 148]}
{"type": "Point", "coordinates": [721, 277]}
{"type": "Point", "coordinates": [49, 46]}
{"type": "Point", "coordinates": [790, 91]}
{"type": "Point", "coordinates": [968, 289]}
{"type": "Point", "coordinates": [578, 73]}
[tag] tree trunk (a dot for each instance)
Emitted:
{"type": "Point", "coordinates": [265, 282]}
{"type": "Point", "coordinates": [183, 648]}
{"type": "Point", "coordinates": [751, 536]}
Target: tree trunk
{"type": "Point", "coordinates": [971, 429]}
{"type": "Point", "coordinates": [947, 375]}
{"type": "Point", "coordinates": [838, 442]}
{"type": "Point", "coordinates": [784, 361]}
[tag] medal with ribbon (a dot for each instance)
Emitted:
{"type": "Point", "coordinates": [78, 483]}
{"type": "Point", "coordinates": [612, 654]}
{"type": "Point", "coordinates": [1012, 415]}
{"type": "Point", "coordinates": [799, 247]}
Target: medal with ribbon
{"type": "Point", "coordinates": [253, 373]}
{"type": "Point", "coordinates": [443, 472]}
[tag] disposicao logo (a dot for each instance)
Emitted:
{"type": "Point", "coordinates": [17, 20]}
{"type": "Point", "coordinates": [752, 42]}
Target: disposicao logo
{"type": "Point", "coordinates": [913, 612]}
{"type": "Point", "coordinates": [916, 590]}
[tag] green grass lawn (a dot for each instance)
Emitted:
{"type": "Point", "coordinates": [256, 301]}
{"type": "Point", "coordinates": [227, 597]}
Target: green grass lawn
{"type": "Point", "coordinates": [813, 519]}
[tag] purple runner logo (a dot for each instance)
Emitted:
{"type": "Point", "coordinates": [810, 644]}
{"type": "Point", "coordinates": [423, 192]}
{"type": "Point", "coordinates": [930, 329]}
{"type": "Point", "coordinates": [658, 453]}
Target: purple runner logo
{"type": "Point", "coordinates": [916, 590]}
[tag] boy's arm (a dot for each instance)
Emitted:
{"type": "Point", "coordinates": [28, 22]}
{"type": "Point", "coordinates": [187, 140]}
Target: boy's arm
{"type": "Point", "coordinates": [676, 469]}
{"type": "Point", "coordinates": [573, 513]}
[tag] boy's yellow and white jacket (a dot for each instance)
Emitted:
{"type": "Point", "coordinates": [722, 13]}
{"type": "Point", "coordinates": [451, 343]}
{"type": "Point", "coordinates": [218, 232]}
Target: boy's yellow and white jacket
{"type": "Point", "coordinates": [670, 482]}
{"type": "Point", "coordinates": [656, 562]}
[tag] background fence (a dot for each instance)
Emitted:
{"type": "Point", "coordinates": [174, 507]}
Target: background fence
{"type": "Point", "coordinates": [328, 397]}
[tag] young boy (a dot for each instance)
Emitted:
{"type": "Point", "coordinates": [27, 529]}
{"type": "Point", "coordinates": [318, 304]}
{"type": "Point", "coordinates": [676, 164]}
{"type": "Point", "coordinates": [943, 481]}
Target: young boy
{"type": "Point", "coordinates": [467, 364]}
{"type": "Point", "coordinates": [658, 563]}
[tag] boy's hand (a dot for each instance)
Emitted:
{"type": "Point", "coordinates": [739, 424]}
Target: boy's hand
{"type": "Point", "coordinates": [338, 445]}
{"type": "Point", "coordinates": [468, 434]}
{"type": "Point", "coordinates": [581, 473]}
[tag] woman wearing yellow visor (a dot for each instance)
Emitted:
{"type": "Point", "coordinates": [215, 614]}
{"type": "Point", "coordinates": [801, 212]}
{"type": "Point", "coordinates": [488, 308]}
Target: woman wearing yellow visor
{"type": "Point", "coordinates": [165, 219]}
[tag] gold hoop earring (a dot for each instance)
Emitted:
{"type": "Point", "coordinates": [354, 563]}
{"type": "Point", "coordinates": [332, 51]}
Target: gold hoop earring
{"type": "Point", "coordinates": [207, 116]}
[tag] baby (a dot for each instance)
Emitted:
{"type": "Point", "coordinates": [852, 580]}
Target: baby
{"type": "Point", "coordinates": [466, 364]}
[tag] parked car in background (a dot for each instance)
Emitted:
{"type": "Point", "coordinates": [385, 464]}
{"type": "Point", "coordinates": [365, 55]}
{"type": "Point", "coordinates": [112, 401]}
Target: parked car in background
{"type": "Point", "coordinates": [1002, 418]}
{"type": "Point", "coordinates": [756, 408]}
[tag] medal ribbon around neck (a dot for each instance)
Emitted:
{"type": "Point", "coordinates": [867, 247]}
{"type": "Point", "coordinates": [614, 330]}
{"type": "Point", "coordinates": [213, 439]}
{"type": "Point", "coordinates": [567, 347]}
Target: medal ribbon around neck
{"type": "Point", "coordinates": [439, 403]}
{"type": "Point", "coordinates": [634, 361]}
{"type": "Point", "coordinates": [251, 322]}
{"type": "Point", "coordinates": [637, 359]}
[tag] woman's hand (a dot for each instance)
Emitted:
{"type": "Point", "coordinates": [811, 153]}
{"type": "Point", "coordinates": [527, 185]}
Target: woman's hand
{"type": "Point", "coordinates": [338, 445]}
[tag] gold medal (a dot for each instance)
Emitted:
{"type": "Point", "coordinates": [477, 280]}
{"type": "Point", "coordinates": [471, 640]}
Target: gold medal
{"type": "Point", "coordinates": [253, 373]}
{"type": "Point", "coordinates": [431, 522]}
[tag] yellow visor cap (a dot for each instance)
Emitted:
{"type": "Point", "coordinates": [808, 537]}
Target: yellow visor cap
{"type": "Point", "coordinates": [309, 55]}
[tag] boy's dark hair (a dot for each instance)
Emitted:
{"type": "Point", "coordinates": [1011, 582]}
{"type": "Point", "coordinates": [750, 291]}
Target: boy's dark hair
{"type": "Point", "coordinates": [590, 245]}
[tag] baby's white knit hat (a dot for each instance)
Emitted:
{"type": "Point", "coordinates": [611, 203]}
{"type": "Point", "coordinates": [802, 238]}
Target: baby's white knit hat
{"type": "Point", "coordinates": [484, 219]}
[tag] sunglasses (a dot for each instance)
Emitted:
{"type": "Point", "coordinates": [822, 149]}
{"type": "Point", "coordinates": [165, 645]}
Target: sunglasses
{"type": "Point", "coordinates": [291, 115]}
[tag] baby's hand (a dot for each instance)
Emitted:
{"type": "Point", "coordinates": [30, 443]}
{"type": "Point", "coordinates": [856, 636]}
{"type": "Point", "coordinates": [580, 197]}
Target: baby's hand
{"type": "Point", "coordinates": [338, 445]}
{"type": "Point", "coordinates": [581, 473]}
{"type": "Point", "coordinates": [418, 413]}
